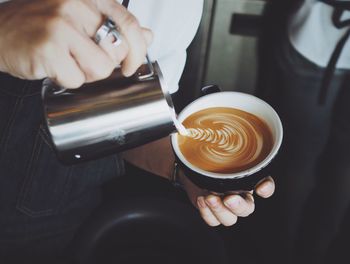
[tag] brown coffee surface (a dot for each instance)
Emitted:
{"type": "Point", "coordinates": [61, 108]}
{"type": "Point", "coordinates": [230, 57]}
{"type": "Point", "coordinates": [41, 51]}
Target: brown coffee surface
{"type": "Point", "coordinates": [225, 140]}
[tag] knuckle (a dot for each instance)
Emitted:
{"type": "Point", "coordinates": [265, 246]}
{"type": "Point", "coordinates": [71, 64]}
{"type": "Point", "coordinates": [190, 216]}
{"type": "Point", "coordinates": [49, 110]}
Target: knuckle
{"type": "Point", "coordinates": [217, 208]}
{"type": "Point", "coordinates": [35, 70]}
{"type": "Point", "coordinates": [70, 83]}
{"type": "Point", "coordinates": [213, 207]}
{"type": "Point", "coordinates": [74, 85]}
{"type": "Point", "coordinates": [44, 50]}
{"type": "Point", "coordinates": [55, 23]}
{"type": "Point", "coordinates": [214, 203]}
{"type": "Point", "coordinates": [130, 22]}
{"type": "Point", "coordinates": [68, 5]}
{"type": "Point", "coordinates": [41, 60]}
{"type": "Point", "coordinates": [101, 71]}
{"type": "Point", "coordinates": [77, 81]}
{"type": "Point", "coordinates": [71, 78]}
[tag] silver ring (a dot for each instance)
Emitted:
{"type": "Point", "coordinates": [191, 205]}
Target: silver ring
{"type": "Point", "coordinates": [108, 28]}
{"type": "Point", "coordinates": [117, 37]}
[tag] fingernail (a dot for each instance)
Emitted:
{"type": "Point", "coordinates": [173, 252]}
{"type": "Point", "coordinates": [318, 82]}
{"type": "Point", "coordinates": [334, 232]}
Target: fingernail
{"type": "Point", "coordinates": [265, 189]}
{"type": "Point", "coordinates": [201, 203]}
{"type": "Point", "coordinates": [233, 202]}
{"type": "Point", "coordinates": [212, 201]}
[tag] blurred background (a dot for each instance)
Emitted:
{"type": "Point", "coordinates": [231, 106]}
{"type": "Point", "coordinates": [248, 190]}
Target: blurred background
{"type": "Point", "coordinates": [224, 51]}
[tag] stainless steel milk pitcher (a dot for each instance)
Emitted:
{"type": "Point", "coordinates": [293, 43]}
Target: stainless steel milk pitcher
{"type": "Point", "coordinates": [108, 116]}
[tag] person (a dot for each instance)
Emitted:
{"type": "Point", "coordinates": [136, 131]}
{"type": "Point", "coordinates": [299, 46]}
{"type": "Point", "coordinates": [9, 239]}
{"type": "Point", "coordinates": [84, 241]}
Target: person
{"type": "Point", "coordinates": [42, 202]}
{"type": "Point", "coordinates": [305, 78]}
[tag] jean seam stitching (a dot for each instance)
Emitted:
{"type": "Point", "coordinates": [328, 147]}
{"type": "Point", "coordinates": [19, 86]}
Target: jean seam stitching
{"type": "Point", "coordinates": [14, 94]}
{"type": "Point", "coordinates": [31, 94]}
{"type": "Point", "coordinates": [8, 128]}
{"type": "Point", "coordinates": [9, 125]}
{"type": "Point", "coordinates": [26, 189]}
{"type": "Point", "coordinates": [44, 136]}
{"type": "Point", "coordinates": [27, 180]}
{"type": "Point", "coordinates": [119, 163]}
{"type": "Point", "coordinates": [66, 190]}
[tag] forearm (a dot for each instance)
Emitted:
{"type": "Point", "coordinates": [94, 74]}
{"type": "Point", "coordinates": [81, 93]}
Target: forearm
{"type": "Point", "coordinates": [156, 157]}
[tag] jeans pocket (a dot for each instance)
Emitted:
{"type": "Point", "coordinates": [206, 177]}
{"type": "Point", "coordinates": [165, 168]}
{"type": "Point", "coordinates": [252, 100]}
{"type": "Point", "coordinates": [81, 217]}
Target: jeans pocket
{"type": "Point", "coordinates": [47, 183]}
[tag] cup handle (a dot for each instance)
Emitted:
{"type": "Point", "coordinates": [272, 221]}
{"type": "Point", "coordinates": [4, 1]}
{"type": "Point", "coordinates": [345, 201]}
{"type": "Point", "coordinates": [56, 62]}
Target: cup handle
{"type": "Point", "coordinates": [209, 89]}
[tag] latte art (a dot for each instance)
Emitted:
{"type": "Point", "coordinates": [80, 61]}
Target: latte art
{"type": "Point", "coordinates": [225, 140]}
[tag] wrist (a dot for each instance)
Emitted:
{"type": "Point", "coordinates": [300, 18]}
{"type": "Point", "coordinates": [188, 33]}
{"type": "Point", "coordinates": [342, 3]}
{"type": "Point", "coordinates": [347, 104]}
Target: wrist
{"type": "Point", "coordinates": [2, 61]}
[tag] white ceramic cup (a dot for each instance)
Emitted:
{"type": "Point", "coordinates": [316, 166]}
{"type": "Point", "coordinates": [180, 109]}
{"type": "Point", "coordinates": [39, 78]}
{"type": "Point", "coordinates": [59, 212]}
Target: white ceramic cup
{"type": "Point", "coordinates": [240, 181]}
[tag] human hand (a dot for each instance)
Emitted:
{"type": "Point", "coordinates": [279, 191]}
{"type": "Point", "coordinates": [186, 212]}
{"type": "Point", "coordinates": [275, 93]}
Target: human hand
{"type": "Point", "coordinates": [225, 210]}
{"type": "Point", "coordinates": [157, 157]}
{"type": "Point", "coordinates": [54, 39]}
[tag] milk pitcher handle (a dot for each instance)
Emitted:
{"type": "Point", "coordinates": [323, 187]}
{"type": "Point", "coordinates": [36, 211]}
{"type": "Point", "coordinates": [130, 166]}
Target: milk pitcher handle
{"type": "Point", "coordinates": [148, 75]}
{"type": "Point", "coordinates": [209, 89]}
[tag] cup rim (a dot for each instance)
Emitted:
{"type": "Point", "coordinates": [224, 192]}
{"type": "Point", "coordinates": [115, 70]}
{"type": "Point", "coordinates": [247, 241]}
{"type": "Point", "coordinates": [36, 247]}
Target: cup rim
{"type": "Point", "coordinates": [243, 173]}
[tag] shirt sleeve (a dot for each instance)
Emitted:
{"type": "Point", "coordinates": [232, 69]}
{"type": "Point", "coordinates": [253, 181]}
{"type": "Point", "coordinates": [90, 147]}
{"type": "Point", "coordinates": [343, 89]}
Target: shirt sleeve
{"type": "Point", "coordinates": [174, 29]}
{"type": "Point", "coordinates": [172, 67]}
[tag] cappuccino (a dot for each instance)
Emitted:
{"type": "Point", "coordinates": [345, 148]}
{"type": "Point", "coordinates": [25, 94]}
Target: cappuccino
{"type": "Point", "coordinates": [225, 140]}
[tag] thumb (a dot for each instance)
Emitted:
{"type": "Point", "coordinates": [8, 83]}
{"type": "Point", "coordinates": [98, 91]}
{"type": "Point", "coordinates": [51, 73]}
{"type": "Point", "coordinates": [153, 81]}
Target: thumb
{"type": "Point", "coordinates": [266, 187]}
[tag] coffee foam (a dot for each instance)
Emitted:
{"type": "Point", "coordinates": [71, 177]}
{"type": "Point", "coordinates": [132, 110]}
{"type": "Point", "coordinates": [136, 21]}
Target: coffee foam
{"type": "Point", "coordinates": [225, 140]}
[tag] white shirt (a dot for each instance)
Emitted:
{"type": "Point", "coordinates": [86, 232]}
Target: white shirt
{"type": "Point", "coordinates": [174, 24]}
{"type": "Point", "coordinates": [312, 33]}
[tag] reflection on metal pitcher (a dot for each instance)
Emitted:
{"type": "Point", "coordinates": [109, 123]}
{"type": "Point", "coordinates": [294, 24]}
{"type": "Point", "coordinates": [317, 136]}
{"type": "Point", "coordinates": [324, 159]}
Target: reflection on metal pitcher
{"type": "Point", "coordinates": [108, 116]}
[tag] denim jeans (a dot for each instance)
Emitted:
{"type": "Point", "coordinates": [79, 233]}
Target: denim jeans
{"type": "Point", "coordinates": [312, 171]}
{"type": "Point", "coordinates": [42, 202]}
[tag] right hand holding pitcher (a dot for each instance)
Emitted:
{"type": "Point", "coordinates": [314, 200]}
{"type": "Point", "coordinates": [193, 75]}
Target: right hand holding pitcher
{"type": "Point", "coordinates": [59, 40]}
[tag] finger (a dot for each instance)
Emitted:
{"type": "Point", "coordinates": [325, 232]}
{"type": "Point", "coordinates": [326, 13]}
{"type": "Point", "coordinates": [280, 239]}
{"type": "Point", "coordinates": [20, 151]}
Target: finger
{"type": "Point", "coordinates": [266, 187]}
{"type": "Point", "coordinates": [94, 61]}
{"type": "Point", "coordinates": [240, 206]}
{"type": "Point", "coordinates": [131, 31]}
{"type": "Point", "coordinates": [66, 72]}
{"type": "Point", "coordinates": [206, 213]}
{"type": "Point", "coordinates": [87, 22]}
{"type": "Point", "coordinates": [83, 15]}
{"type": "Point", "coordinates": [223, 214]}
